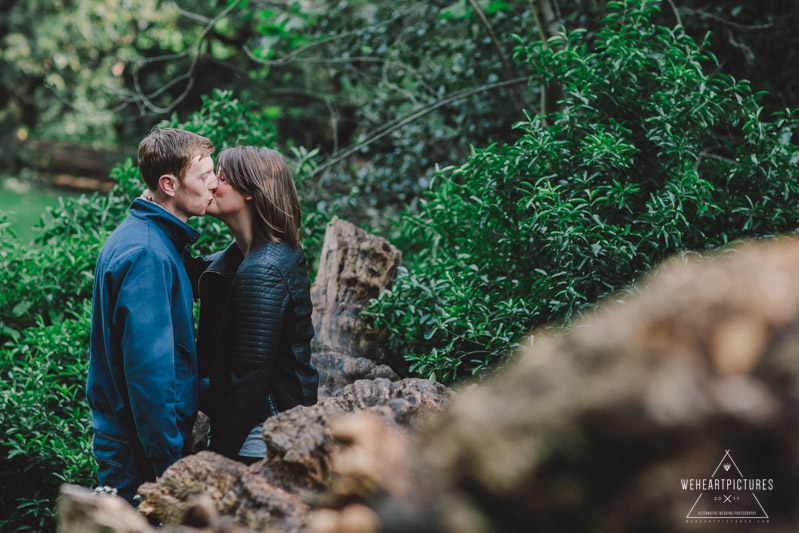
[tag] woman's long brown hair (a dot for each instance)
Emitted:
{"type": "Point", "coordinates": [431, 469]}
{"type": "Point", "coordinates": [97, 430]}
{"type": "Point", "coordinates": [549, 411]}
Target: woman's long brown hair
{"type": "Point", "coordinates": [262, 173]}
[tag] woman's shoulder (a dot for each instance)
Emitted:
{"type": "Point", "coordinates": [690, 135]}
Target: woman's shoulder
{"type": "Point", "coordinates": [275, 252]}
{"type": "Point", "coordinates": [274, 255]}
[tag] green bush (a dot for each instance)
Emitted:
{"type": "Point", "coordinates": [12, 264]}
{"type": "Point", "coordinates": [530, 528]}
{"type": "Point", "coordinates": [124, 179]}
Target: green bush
{"type": "Point", "coordinates": [44, 283]}
{"type": "Point", "coordinates": [647, 155]}
{"type": "Point", "coordinates": [45, 420]}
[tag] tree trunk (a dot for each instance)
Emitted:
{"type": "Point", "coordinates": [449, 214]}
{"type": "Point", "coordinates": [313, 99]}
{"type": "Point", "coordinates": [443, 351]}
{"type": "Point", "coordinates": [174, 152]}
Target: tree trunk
{"type": "Point", "coordinates": [354, 267]}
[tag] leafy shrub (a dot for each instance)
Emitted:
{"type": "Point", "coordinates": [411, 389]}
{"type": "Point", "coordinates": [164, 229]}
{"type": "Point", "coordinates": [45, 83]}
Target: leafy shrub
{"type": "Point", "coordinates": [45, 420]}
{"type": "Point", "coordinates": [646, 156]}
{"type": "Point", "coordinates": [45, 283]}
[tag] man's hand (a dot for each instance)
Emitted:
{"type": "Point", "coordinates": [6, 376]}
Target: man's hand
{"type": "Point", "coordinates": [146, 196]}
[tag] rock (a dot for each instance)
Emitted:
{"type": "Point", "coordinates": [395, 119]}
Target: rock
{"type": "Point", "coordinates": [232, 487]}
{"type": "Point", "coordinates": [275, 492]}
{"type": "Point", "coordinates": [82, 511]}
{"type": "Point", "coordinates": [337, 370]}
{"type": "Point", "coordinates": [354, 267]}
{"type": "Point", "coordinates": [596, 430]}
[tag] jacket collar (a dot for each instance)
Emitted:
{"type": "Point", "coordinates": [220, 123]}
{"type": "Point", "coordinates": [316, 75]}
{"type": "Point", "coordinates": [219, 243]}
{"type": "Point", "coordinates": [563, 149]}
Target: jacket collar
{"type": "Point", "coordinates": [180, 233]}
{"type": "Point", "coordinates": [227, 261]}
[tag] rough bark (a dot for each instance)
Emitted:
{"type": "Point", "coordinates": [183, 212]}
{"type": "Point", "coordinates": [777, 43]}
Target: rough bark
{"type": "Point", "coordinates": [199, 434]}
{"type": "Point", "coordinates": [82, 511]}
{"type": "Point", "coordinates": [234, 490]}
{"type": "Point", "coordinates": [299, 442]}
{"type": "Point", "coordinates": [354, 267]}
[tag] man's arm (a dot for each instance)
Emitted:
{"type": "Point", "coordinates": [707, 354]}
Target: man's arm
{"type": "Point", "coordinates": [143, 315]}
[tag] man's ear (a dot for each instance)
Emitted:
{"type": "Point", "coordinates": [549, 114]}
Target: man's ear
{"type": "Point", "coordinates": [168, 184]}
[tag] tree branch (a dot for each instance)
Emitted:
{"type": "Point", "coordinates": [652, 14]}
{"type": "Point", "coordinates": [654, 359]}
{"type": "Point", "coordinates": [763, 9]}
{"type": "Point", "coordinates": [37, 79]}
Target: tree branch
{"type": "Point", "coordinates": [705, 14]}
{"type": "Point", "coordinates": [676, 13]}
{"type": "Point", "coordinates": [548, 27]}
{"type": "Point", "coordinates": [292, 56]}
{"type": "Point", "coordinates": [504, 60]}
{"type": "Point", "coordinates": [410, 117]}
{"type": "Point", "coordinates": [146, 99]}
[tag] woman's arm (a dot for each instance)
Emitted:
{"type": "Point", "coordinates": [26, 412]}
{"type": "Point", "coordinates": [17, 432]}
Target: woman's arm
{"type": "Point", "coordinates": [260, 299]}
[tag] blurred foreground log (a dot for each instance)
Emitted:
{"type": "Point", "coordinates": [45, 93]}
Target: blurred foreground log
{"type": "Point", "coordinates": [695, 376]}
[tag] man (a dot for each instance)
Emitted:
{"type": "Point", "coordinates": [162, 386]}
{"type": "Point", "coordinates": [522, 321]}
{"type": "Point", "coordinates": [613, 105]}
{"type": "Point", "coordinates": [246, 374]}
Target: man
{"type": "Point", "coordinates": [142, 386]}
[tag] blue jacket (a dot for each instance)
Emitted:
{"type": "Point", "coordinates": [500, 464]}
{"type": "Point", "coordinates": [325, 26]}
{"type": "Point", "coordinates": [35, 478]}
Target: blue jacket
{"type": "Point", "coordinates": [254, 339]}
{"type": "Point", "coordinates": [143, 381]}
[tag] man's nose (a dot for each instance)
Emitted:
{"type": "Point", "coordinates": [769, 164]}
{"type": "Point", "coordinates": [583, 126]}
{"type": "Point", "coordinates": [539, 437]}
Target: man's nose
{"type": "Point", "coordinates": [213, 184]}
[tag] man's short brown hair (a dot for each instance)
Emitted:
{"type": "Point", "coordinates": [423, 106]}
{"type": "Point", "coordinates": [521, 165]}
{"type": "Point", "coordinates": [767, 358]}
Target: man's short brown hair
{"type": "Point", "coordinates": [170, 151]}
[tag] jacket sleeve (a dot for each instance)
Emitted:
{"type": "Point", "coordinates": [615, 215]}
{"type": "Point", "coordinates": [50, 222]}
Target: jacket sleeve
{"type": "Point", "coordinates": [260, 300]}
{"type": "Point", "coordinates": [143, 316]}
{"type": "Point", "coordinates": [195, 266]}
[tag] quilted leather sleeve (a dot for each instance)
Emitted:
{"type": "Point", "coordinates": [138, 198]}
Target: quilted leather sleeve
{"type": "Point", "coordinates": [260, 300]}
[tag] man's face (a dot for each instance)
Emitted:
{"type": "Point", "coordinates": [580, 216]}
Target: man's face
{"type": "Point", "coordinates": [195, 192]}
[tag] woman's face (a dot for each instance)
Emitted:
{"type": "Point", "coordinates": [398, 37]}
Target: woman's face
{"type": "Point", "coordinates": [227, 202]}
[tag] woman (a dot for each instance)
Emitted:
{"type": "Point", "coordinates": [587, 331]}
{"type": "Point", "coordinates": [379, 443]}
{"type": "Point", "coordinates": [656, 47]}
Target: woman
{"type": "Point", "coordinates": [255, 307]}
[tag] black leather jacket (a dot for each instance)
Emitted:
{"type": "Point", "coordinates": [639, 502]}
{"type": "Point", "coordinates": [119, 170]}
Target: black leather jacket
{"type": "Point", "coordinates": [253, 339]}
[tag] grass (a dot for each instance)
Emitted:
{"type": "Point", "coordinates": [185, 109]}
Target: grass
{"type": "Point", "coordinates": [25, 203]}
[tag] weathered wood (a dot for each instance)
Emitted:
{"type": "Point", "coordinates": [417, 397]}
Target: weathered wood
{"type": "Point", "coordinates": [199, 434]}
{"type": "Point", "coordinates": [60, 157]}
{"type": "Point", "coordinates": [354, 267]}
{"type": "Point", "coordinates": [336, 371]}
{"type": "Point", "coordinates": [299, 442]}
